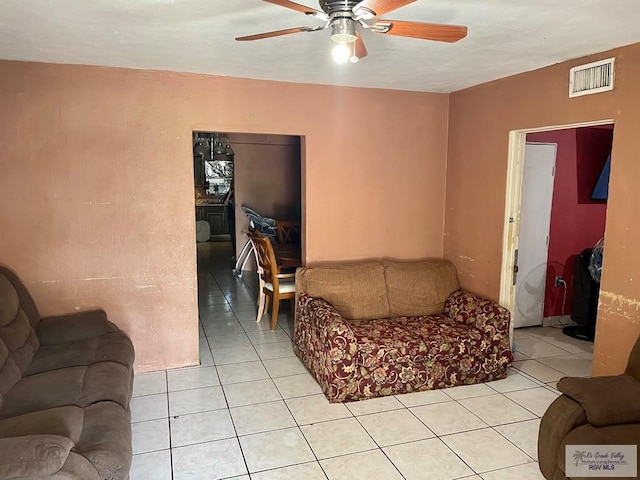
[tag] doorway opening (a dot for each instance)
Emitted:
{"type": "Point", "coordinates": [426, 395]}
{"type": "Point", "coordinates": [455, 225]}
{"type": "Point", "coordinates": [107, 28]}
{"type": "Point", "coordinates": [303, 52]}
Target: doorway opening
{"type": "Point", "coordinates": [555, 216]}
{"type": "Point", "coordinates": [234, 170]}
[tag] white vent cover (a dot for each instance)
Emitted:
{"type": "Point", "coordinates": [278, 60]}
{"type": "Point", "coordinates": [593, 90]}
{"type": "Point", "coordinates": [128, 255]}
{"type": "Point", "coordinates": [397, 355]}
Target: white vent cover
{"type": "Point", "coordinates": [591, 78]}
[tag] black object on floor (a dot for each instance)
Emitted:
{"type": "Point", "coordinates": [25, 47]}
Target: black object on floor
{"type": "Point", "coordinates": [584, 304]}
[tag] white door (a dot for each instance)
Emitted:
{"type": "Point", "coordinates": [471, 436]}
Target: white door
{"type": "Point", "coordinates": [533, 235]}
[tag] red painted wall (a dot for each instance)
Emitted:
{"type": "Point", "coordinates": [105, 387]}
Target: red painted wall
{"type": "Point", "coordinates": [576, 221]}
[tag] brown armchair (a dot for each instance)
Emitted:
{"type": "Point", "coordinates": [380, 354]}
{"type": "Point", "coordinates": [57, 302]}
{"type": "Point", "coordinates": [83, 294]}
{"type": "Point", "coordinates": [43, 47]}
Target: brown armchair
{"type": "Point", "coordinates": [591, 411]}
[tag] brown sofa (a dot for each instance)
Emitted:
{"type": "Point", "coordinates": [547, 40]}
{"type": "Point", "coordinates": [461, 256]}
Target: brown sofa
{"type": "Point", "coordinates": [387, 327]}
{"type": "Point", "coordinates": [591, 411]}
{"type": "Point", "coordinates": [65, 387]}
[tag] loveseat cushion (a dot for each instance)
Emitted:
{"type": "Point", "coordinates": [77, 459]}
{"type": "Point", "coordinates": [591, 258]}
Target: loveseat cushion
{"type": "Point", "coordinates": [356, 291]}
{"type": "Point", "coordinates": [82, 386]}
{"type": "Point", "coordinates": [419, 288]}
{"type": "Point", "coordinates": [110, 347]}
{"type": "Point", "coordinates": [399, 340]}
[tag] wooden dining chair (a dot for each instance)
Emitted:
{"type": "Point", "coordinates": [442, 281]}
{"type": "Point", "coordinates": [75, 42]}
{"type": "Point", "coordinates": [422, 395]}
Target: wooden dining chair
{"type": "Point", "coordinates": [277, 285]}
{"type": "Point", "coordinates": [288, 231]}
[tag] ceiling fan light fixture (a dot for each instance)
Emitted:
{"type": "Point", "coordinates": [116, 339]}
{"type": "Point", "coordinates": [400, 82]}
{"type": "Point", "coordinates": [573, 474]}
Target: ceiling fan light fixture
{"type": "Point", "coordinates": [343, 30]}
{"type": "Point", "coordinates": [341, 53]}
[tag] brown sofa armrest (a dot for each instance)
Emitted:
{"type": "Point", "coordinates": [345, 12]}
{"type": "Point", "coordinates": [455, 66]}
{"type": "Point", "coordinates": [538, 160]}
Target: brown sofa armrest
{"type": "Point", "coordinates": [562, 416]}
{"type": "Point", "coordinates": [470, 309]}
{"type": "Point", "coordinates": [605, 400]}
{"type": "Point", "coordinates": [33, 456]}
{"type": "Point", "coordinates": [75, 326]}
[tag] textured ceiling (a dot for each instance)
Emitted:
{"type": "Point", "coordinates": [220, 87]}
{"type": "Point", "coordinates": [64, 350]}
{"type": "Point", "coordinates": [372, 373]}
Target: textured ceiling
{"type": "Point", "coordinates": [505, 37]}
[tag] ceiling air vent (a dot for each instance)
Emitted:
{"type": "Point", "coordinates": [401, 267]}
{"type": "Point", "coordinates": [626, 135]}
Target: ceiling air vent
{"type": "Point", "coordinates": [591, 78]}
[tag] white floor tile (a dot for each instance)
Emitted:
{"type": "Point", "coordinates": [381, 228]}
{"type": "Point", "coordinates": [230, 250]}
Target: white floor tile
{"type": "Point", "coordinates": [149, 383]}
{"type": "Point", "coordinates": [497, 410]}
{"type": "Point", "coordinates": [569, 344]}
{"type": "Point", "coordinates": [374, 405]}
{"type": "Point", "coordinates": [395, 426]}
{"type": "Point", "coordinates": [268, 351]}
{"type": "Point", "coordinates": [201, 427]}
{"type": "Point", "coordinates": [304, 471]}
{"type": "Point", "coordinates": [150, 436]}
{"type": "Point", "coordinates": [432, 458]}
{"type": "Point", "coordinates": [537, 348]}
{"type": "Point", "coordinates": [184, 402]}
{"type": "Point", "coordinates": [513, 382]}
{"type": "Point", "coordinates": [283, 367]}
{"type": "Point", "coordinates": [239, 394]}
{"type": "Point", "coordinates": [218, 342]}
{"type": "Point", "coordinates": [447, 418]}
{"type": "Point", "coordinates": [538, 371]}
{"type": "Point", "coordinates": [206, 359]}
{"type": "Point", "coordinates": [570, 365]}
{"type": "Point", "coordinates": [151, 466]}
{"type": "Point", "coordinates": [279, 448]}
{"type": "Point", "coordinates": [536, 400]}
{"type": "Point", "coordinates": [262, 417]}
{"type": "Point", "coordinates": [370, 465]}
{"type": "Point", "coordinates": [259, 337]}
{"type": "Point", "coordinates": [586, 356]}
{"type": "Point", "coordinates": [208, 461]}
{"type": "Point", "coordinates": [222, 328]}
{"type": "Point", "coordinates": [225, 356]}
{"type": "Point", "coordinates": [523, 435]}
{"type": "Point", "coordinates": [297, 385]}
{"type": "Point", "coordinates": [149, 407]}
{"type": "Point", "coordinates": [468, 391]}
{"type": "Point", "coordinates": [242, 372]}
{"type": "Point", "coordinates": [485, 450]}
{"type": "Point", "coordinates": [187, 378]}
{"type": "Point", "coordinates": [519, 333]}
{"type": "Point", "coordinates": [337, 437]}
{"type": "Point", "coordinates": [246, 307]}
{"type": "Point", "coordinates": [428, 397]}
{"type": "Point", "coordinates": [529, 471]}
{"type": "Point", "coordinates": [316, 408]}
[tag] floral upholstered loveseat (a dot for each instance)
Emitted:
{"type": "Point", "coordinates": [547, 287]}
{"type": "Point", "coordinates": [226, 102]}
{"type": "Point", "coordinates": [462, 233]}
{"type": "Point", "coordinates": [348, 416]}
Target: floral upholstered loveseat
{"type": "Point", "coordinates": [388, 327]}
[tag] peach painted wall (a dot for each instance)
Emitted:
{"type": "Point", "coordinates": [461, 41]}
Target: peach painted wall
{"type": "Point", "coordinates": [480, 121]}
{"type": "Point", "coordinates": [96, 184]}
{"type": "Point", "coordinates": [267, 179]}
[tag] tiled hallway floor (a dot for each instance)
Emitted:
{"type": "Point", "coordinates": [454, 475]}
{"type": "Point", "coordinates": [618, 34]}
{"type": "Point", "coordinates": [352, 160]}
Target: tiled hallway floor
{"type": "Point", "coordinates": [251, 410]}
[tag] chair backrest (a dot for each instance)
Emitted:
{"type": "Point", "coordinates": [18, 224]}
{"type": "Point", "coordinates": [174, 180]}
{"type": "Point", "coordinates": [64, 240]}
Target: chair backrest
{"type": "Point", "coordinates": [266, 256]}
{"type": "Point", "coordinates": [288, 231]}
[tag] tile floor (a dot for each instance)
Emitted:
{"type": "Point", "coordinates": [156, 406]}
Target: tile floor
{"type": "Point", "coordinates": [251, 410]}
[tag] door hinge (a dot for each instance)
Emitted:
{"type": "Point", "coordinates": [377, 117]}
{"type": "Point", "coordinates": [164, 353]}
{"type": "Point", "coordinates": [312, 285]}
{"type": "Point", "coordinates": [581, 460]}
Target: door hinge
{"type": "Point", "coordinates": [515, 267]}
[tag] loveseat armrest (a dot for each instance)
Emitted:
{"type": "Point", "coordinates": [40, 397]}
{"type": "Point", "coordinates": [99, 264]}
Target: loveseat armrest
{"type": "Point", "coordinates": [74, 326]}
{"type": "Point", "coordinates": [325, 342]}
{"type": "Point", "coordinates": [33, 456]}
{"type": "Point", "coordinates": [562, 416]}
{"type": "Point", "coordinates": [483, 314]}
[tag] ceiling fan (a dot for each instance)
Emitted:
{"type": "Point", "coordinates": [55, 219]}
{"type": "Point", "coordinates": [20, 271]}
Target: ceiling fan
{"type": "Point", "coordinates": [343, 16]}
